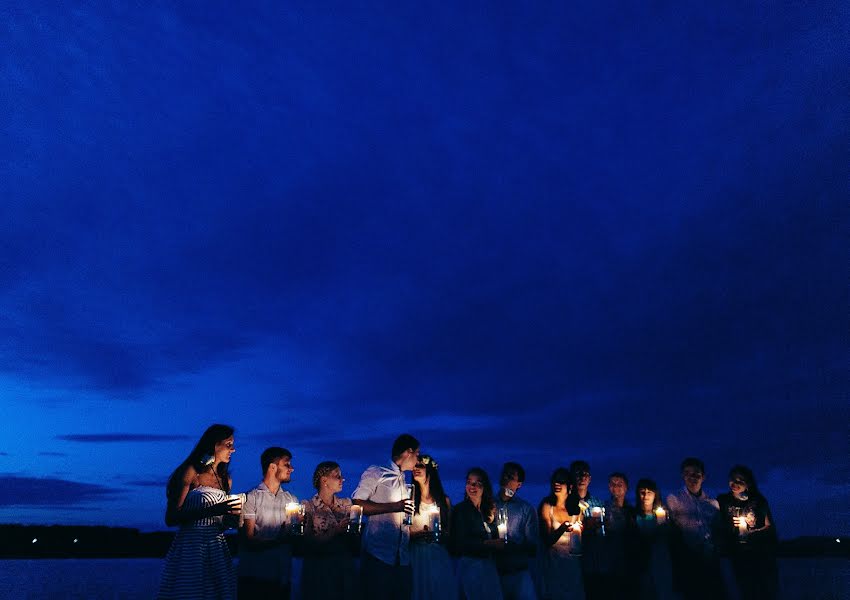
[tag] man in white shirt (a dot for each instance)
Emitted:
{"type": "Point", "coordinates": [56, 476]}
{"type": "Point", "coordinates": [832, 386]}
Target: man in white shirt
{"type": "Point", "coordinates": [385, 562]}
{"type": "Point", "coordinates": [265, 554]}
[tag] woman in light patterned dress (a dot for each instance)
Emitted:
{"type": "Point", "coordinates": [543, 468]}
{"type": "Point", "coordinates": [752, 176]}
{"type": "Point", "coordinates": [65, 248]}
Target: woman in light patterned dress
{"type": "Point", "coordinates": [328, 568]}
{"type": "Point", "coordinates": [199, 564]}
{"type": "Point", "coordinates": [433, 575]}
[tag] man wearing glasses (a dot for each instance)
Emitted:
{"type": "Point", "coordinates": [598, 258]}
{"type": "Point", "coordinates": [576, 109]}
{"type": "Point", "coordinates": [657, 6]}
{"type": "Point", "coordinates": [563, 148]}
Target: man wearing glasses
{"type": "Point", "coordinates": [694, 513]}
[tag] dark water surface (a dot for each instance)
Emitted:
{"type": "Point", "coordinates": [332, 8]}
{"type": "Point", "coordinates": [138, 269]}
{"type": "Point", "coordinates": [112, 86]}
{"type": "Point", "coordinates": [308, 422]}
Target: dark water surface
{"type": "Point", "coordinates": [138, 578]}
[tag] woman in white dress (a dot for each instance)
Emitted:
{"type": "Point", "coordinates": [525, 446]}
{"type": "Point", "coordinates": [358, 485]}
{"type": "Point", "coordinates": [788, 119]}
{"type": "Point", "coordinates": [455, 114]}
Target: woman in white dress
{"type": "Point", "coordinates": [198, 564]}
{"type": "Point", "coordinates": [433, 574]}
{"type": "Point", "coordinates": [561, 535]}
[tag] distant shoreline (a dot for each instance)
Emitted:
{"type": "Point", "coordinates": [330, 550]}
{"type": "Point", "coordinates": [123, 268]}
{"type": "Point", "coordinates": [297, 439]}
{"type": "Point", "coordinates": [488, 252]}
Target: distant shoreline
{"type": "Point", "coordinates": [70, 541]}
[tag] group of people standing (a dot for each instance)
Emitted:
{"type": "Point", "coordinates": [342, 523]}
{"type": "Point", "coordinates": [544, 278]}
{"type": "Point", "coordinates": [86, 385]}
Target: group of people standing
{"type": "Point", "coordinates": [491, 545]}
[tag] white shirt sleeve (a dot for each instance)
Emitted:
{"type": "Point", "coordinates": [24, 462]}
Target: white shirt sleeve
{"type": "Point", "coordinates": [368, 484]}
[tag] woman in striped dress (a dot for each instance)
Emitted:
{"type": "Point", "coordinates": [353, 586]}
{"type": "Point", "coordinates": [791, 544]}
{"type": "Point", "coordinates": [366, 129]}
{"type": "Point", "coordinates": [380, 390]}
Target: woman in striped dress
{"type": "Point", "coordinates": [198, 564]}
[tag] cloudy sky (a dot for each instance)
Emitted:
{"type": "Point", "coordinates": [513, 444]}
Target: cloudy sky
{"type": "Point", "coordinates": [520, 233]}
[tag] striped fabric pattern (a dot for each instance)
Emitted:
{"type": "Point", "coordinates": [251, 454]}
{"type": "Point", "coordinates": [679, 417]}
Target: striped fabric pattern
{"type": "Point", "coordinates": [199, 564]}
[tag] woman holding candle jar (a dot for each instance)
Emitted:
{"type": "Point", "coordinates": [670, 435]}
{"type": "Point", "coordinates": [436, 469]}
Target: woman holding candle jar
{"type": "Point", "coordinates": [748, 535]}
{"type": "Point", "coordinates": [475, 538]}
{"type": "Point", "coordinates": [328, 568]}
{"type": "Point", "coordinates": [652, 565]}
{"type": "Point", "coordinates": [199, 564]}
{"type": "Point", "coordinates": [433, 575]}
{"type": "Point", "coordinates": [560, 530]}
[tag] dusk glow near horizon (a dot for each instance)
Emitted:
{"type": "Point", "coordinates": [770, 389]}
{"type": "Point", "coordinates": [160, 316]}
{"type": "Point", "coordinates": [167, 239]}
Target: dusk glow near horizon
{"type": "Point", "coordinates": [523, 233]}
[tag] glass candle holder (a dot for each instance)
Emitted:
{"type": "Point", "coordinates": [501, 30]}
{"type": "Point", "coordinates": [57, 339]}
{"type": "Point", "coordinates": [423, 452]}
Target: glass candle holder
{"type": "Point", "coordinates": [295, 518]}
{"type": "Point", "coordinates": [598, 512]}
{"type": "Point", "coordinates": [575, 538]}
{"type": "Point", "coordinates": [408, 517]}
{"type": "Point", "coordinates": [739, 521]}
{"type": "Point", "coordinates": [355, 518]}
{"type": "Point", "coordinates": [660, 515]}
{"type": "Point", "coordinates": [502, 523]}
{"type": "Point", "coordinates": [435, 523]}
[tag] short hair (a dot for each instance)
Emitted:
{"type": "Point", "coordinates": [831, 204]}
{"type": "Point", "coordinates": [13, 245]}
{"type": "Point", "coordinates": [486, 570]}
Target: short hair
{"type": "Point", "coordinates": [271, 455]}
{"type": "Point", "coordinates": [511, 468]}
{"type": "Point", "coordinates": [620, 475]}
{"type": "Point", "coordinates": [578, 466]}
{"type": "Point", "coordinates": [692, 462]}
{"type": "Point", "coordinates": [323, 469]}
{"type": "Point", "coordinates": [402, 443]}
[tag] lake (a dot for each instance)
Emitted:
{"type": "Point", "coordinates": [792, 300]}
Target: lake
{"type": "Point", "coordinates": [138, 578]}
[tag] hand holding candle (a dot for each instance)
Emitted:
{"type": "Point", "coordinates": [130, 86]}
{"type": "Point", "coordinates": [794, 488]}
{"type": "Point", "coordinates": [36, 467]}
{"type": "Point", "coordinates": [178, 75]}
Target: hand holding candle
{"type": "Point", "coordinates": [660, 515]}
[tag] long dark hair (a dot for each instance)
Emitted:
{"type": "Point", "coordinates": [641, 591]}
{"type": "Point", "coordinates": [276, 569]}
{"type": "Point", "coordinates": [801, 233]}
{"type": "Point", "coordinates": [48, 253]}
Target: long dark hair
{"type": "Point", "coordinates": [205, 447]}
{"type": "Point", "coordinates": [434, 485]}
{"type": "Point", "coordinates": [747, 474]}
{"type": "Point", "coordinates": [560, 475]}
{"type": "Point", "coordinates": [488, 504]}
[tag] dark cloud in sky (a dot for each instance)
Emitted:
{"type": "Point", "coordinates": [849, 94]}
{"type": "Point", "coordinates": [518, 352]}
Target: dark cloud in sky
{"type": "Point", "coordinates": [119, 437]}
{"type": "Point", "coordinates": [25, 491]}
{"type": "Point", "coordinates": [539, 232]}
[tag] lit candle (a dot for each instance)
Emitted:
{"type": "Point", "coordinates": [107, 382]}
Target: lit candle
{"type": "Point", "coordinates": [742, 526]}
{"type": "Point", "coordinates": [596, 512]}
{"type": "Point", "coordinates": [575, 538]}
{"type": "Point", "coordinates": [293, 512]}
{"type": "Point", "coordinates": [435, 519]}
{"type": "Point", "coordinates": [355, 515]}
{"type": "Point", "coordinates": [660, 515]}
{"type": "Point", "coordinates": [295, 517]}
{"type": "Point", "coordinates": [355, 518]}
{"type": "Point", "coordinates": [502, 523]}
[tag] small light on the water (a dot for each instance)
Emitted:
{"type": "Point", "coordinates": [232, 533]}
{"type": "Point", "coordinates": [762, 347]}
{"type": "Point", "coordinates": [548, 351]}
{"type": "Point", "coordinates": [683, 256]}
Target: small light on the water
{"type": "Point", "coordinates": [34, 540]}
{"type": "Point", "coordinates": [76, 540]}
{"type": "Point", "coordinates": [837, 540]}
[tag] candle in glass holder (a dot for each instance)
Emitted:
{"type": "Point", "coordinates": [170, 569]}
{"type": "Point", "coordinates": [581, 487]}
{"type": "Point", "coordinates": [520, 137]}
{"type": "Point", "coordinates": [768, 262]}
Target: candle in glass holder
{"type": "Point", "coordinates": [575, 538]}
{"type": "Point", "coordinates": [408, 517]}
{"type": "Point", "coordinates": [355, 518]}
{"type": "Point", "coordinates": [502, 523]}
{"type": "Point", "coordinates": [742, 526]}
{"type": "Point", "coordinates": [598, 512]}
{"type": "Point", "coordinates": [660, 515]}
{"type": "Point", "coordinates": [294, 517]}
{"type": "Point", "coordinates": [435, 522]}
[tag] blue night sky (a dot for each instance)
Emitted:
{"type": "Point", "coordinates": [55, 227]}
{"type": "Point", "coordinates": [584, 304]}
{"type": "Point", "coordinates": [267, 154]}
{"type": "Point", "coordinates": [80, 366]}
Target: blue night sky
{"type": "Point", "coordinates": [535, 233]}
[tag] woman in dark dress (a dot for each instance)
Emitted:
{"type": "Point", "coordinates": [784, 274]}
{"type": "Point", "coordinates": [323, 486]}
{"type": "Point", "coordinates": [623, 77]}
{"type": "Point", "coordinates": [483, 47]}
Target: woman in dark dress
{"type": "Point", "coordinates": [748, 535]}
{"type": "Point", "coordinates": [475, 538]}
